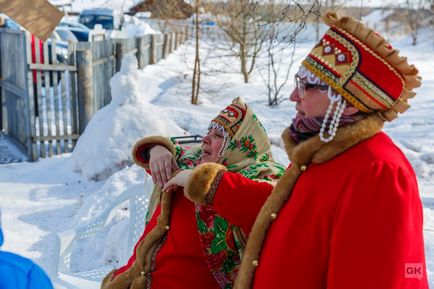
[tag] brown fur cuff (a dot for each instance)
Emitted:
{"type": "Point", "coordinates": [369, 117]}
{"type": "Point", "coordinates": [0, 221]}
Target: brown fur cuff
{"type": "Point", "coordinates": [141, 149]}
{"type": "Point", "coordinates": [203, 181]}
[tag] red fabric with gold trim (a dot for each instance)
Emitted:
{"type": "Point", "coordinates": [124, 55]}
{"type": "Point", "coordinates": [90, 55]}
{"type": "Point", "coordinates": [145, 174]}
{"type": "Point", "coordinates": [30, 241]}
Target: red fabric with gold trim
{"type": "Point", "coordinates": [355, 71]}
{"type": "Point", "coordinates": [232, 116]}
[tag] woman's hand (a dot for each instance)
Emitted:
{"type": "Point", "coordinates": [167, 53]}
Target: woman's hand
{"type": "Point", "coordinates": [162, 164]}
{"type": "Point", "coordinates": [180, 180]}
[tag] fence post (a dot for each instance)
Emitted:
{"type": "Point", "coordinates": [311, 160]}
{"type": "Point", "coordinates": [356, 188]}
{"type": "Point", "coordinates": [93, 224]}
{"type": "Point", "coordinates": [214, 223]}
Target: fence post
{"type": "Point", "coordinates": [139, 45]}
{"type": "Point", "coordinates": [119, 55]}
{"type": "Point", "coordinates": [172, 42]}
{"type": "Point", "coordinates": [178, 39]}
{"type": "Point", "coordinates": [166, 46]}
{"type": "Point", "coordinates": [85, 87]}
{"type": "Point", "coordinates": [153, 54]}
{"type": "Point", "coordinates": [186, 32]}
{"type": "Point", "coordinates": [29, 100]}
{"type": "Point", "coordinates": [181, 38]}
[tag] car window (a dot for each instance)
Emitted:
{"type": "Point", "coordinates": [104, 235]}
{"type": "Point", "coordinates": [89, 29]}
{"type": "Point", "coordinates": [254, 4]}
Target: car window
{"type": "Point", "coordinates": [74, 25]}
{"type": "Point", "coordinates": [90, 21]}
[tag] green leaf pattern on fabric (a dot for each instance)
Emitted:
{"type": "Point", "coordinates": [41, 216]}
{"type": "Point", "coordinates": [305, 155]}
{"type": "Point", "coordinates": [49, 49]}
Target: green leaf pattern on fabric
{"type": "Point", "coordinates": [265, 157]}
{"type": "Point", "coordinates": [247, 145]}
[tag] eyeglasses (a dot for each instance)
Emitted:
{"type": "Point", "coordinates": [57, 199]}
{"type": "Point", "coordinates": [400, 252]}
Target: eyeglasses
{"type": "Point", "coordinates": [303, 86]}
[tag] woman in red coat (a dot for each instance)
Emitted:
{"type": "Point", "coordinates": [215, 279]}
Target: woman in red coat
{"type": "Point", "coordinates": [195, 246]}
{"type": "Point", "coordinates": [347, 212]}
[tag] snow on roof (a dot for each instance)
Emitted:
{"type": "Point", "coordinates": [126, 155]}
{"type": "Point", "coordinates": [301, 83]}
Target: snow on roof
{"type": "Point", "coordinates": [61, 2]}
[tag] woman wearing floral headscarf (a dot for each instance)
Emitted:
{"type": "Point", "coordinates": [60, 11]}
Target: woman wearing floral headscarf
{"type": "Point", "coordinates": [187, 245]}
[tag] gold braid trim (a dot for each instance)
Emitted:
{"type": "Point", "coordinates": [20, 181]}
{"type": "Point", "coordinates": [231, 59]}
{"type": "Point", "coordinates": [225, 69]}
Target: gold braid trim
{"type": "Point", "coordinates": [360, 106]}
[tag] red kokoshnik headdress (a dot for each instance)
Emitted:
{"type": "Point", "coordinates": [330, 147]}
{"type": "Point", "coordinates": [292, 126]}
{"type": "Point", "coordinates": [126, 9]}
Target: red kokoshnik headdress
{"type": "Point", "coordinates": [362, 66]}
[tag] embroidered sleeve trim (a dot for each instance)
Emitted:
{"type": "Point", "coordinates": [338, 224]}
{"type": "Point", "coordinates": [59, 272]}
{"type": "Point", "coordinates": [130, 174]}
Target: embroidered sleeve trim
{"type": "Point", "coordinates": [209, 198]}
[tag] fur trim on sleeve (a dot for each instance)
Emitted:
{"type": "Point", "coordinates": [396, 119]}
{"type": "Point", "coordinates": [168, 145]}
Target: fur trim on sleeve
{"type": "Point", "coordinates": [141, 148]}
{"type": "Point", "coordinates": [203, 181]}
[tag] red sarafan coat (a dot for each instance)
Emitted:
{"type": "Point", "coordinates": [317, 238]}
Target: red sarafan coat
{"type": "Point", "coordinates": [345, 215]}
{"type": "Point", "coordinates": [353, 222]}
{"type": "Point", "coordinates": [179, 261]}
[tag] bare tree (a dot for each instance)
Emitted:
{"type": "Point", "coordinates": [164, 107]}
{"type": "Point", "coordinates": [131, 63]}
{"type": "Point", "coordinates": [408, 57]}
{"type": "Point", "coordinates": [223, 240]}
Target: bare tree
{"type": "Point", "coordinates": [242, 23]}
{"type": "Point", "coordinates": [283, 26]}
{"type": "Point", "coordinates": [414, 15]}
{"type": "Point", "coordinates": [196, 70]}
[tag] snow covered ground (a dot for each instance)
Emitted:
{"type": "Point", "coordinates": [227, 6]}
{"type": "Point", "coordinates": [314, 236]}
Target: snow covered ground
{"type": "Point", "coordinates": [53, 195]}
{"type": "Point", "coordinates": [9, 153]}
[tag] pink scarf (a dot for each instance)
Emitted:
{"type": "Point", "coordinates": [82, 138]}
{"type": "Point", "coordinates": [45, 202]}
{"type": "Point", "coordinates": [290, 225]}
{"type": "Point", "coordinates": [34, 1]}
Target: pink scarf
{"type": "Point", "coordinates": [303, 128]}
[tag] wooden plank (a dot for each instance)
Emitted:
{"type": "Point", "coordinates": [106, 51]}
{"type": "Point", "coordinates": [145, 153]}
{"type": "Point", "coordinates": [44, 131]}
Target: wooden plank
{"type": "Point", "coordinates": [153, 50]}
{"type": "Point", "coordinates": [56, 97]}
{"type": "Point", "coordinates": [147, 50]}
{"type": "Point", "coordinates": [56, 137]}
{"type": "Point", "coordinates": [39, 17]}
{"type": "Point", "coordinates": [173, 41]}
{"type": "Point", "coordinates": [28, 108]}
{"type": "Point", "coordinates": [15, 59]}
{"type": "Point", "coordinates": [166, 45]}
{"type": "Point", "coordinates": [39, 96]}
{"type": "Point", "coordinates": [97, 53]}
{"type": "Point", "coordinates": [48, 107]}
{"type": "Point", "coordinates": [65, 90]}
{"type": "Point", "coordinates": [104, 60]}
{"type": "Point", "coordinates": [57, 67]}
{"type": "Point", "coordinates": [96, 91]}
{"type": "Point", "coordinates": [74, 117]}
{"type": "Point", "coordinates": [64, 112]}
{"type": "Point", "coordinates": [103, 72]}
{"type": "Point", "coordinates": [120, 48]}
{"type": "Point", "coordinates": [132, 51]}
{"type": "Point", "coordinates": [15, 90]}
{"type": "Point", "coordinates": [85, 86]}
{"type": "Point", "coordinates": [74, 102]}
{"type": "Point", "coordinates": [31, 100]}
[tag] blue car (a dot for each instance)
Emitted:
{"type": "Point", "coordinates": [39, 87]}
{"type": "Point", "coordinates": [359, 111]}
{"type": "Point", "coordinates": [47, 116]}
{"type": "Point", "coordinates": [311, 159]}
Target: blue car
{"type": "Point", "coordinates": [80, 31]}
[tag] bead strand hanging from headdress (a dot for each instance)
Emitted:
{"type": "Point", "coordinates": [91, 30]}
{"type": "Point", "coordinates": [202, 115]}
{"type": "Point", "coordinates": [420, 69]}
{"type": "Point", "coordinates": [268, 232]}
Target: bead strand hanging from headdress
{"type": "Point", "coordinates": [218, 127]}
{"type": "Point", "coordinates": [338, 103]}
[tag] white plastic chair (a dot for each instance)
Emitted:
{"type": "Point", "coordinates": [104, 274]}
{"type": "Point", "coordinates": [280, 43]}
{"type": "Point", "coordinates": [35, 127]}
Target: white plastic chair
{"type": "Point", "coordinates": [138, 196]}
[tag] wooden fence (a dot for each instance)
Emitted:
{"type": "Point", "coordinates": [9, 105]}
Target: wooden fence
{"type": "Point", "coordinates": [46, 104]}
{"type": "Point", "coordinates": [52, 94]}
{"type": "Point", "coordinates": [14, 89]}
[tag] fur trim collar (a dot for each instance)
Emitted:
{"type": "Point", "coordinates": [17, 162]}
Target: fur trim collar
{"type": "Point", "coordinates": [315, 151]}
